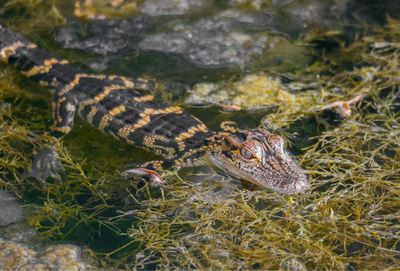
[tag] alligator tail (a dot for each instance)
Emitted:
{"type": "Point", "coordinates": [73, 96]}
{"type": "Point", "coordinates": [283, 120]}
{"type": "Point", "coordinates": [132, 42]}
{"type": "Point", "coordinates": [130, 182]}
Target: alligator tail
{"type": "Point", "coordinates": [33, 61]}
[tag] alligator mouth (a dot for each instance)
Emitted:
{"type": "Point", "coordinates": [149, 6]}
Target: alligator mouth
{"type": "Point", "coordinates": [297, 186]}
{"type": "Point", "coordinates": [228, 169]}
{"type": "Point", "coordinates": [231, 170]}
{"type": "Point", "coordinates": [285, 184]}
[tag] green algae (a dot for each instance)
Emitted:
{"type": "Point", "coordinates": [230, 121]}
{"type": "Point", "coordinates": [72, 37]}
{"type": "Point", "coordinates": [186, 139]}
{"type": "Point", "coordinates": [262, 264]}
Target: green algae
{"type": "Point", "coordinates": [349, 219]}
{"type": "Point", "coordinates": [252, 92]}
{"type": "Point", "coordinates": [27, 16]}
{"type": "Point", "coordinates": [252, 4]}
{"type": "Point", "coordinates": [105, 8]}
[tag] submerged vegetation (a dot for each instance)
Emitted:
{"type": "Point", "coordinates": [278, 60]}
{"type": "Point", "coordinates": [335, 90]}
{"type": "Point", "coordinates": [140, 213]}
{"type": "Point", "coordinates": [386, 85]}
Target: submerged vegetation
{"type": "Point", "coordinates": [349, 219]}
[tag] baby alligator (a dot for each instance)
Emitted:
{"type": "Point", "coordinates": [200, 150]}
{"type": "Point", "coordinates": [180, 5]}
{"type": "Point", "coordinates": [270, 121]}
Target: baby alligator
{"type": "Point", "coordinates": [121, 107]}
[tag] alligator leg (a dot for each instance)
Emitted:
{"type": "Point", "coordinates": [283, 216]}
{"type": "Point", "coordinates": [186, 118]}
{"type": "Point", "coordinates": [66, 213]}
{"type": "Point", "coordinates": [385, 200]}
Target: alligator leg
{"type": "Point", "coordinates": [46, 162]}
{"type": "Point", "coordinates": [64, 109]}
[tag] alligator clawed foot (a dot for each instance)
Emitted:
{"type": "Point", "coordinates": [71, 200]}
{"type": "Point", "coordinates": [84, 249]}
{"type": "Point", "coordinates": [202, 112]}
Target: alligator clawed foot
{"type": "Point", "coordinates": [45, 164]}
{"type": "Point", "coordinates": [343, 108]}
{"type": "Point", "coordinates": [153, 175]}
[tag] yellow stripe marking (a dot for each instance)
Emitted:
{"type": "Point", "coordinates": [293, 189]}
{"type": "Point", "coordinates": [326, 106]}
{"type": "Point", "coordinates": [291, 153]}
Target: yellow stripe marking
{"type": "Point", "coordinates": [45, 68]}
{"type": "Point", "coordinates": [43, 83]}
{"type": "Point", "coordinates": [145, 119]}
{"type": "Point", "coordinates": [141, 99]}
{"type": "Point", "coordinates": [127, 81]}
{"type": "Point", "coordinates": [76, 80]}
{"type": "Point", "coordinates": [63, 129]}
{"type": "Point", "coordinates": [105, 120]}
{"type": "Point", "coordinates": [106, 91]}
{"type": "Point", "coordinates": [10, 50]}
{"type": "Point", "coordinates": [109, 116]}
{"type": "Point", "coordinates": [188, 134]}
{"type": "Point", "coordinates": [117, 110]}
{"type": "Point", "coordinates": [31, 46]}
{"type": "Point", "coordinates": [91, 114]}
{"type": "Point", "coordinates": [56, 109]}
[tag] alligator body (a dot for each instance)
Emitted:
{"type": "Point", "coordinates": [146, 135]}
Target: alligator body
{"type": "Point", "coordinates": [121, 107]}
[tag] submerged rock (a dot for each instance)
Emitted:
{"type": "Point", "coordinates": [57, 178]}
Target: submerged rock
{"type": "Point", "coordinates": [19, 232]}
{"type": "Point", "coordinates": [102, 36]}
{"type": "Point", "coordinates": [252, 92]}
{"type": "Point", "coordinates": [18, 256]}
{"type": "Point", "coordinates": [10, 209]}
{"type": "Point", "coordinates": [297, 18]}
{"type": "Point", "coordinates": [13, 256]}
{"type": "Point", "coordinates": [229, 38]}
{"type": "Point", "coordinates": [20, 248]}
{"type": "Point", "coordinates": [260, 92]}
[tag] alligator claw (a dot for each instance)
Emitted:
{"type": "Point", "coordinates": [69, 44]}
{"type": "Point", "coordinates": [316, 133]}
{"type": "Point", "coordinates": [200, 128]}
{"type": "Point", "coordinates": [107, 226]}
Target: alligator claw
{"type": "Point", "coordinates": [154, 176]}
{"type": "Point", "coordinates": [45, 164]}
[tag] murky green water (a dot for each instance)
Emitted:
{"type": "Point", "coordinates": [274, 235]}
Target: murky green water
{"type": "Point", "coordinates": [300, 56]}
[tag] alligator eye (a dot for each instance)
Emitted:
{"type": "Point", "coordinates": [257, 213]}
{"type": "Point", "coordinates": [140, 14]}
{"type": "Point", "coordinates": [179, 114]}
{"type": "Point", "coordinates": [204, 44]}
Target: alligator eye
{"type": "Point", "coordinates": [246, 154]}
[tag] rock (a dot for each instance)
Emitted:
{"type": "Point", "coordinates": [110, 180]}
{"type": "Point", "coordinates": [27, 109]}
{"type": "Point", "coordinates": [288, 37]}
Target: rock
{"type": "Point", "coordinates": [14, 256]}
{"type": "Point", "coordinates": [19, 232]}
{"type": "Point", "coordinates": [299, 18]}
{"type": "Point", "coordinates": [252, 92]}
{"type": "Point", "coordinates": [103, 36]}
{"type": "Point", "coordinates": [10, 209]}
{"type": "Point", "coordinates": [18, 256]}
{"type": "Point", "coordinates": [229, 38]}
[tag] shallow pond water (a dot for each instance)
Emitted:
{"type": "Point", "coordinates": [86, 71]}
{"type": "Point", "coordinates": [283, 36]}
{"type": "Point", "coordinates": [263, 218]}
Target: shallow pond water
{"type": "Point", "coordinates": [259, 63]}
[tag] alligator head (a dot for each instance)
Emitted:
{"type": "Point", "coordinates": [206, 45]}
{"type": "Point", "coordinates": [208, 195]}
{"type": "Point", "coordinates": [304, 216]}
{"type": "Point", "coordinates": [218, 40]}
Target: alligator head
{"type": "Point", "coordinates": [259, 157]}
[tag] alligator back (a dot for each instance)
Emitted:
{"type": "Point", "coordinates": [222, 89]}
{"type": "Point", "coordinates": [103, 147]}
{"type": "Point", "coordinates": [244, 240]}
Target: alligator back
{"type": "Point", "coordinates": [114, 104]}
{"type": "Point", "coordinates": [138, 118]}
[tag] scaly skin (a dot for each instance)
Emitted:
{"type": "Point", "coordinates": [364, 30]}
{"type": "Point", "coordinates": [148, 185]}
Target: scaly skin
{"type": "Point", "coordinates": [121, 107]}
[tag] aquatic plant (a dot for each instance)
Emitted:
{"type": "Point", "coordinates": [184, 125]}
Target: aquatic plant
{"type": "Point", "coordinates": [349, 219]}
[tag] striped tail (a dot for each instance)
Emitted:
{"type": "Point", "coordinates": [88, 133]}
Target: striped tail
{"type": "Point", "coordinates": [33, 61]}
